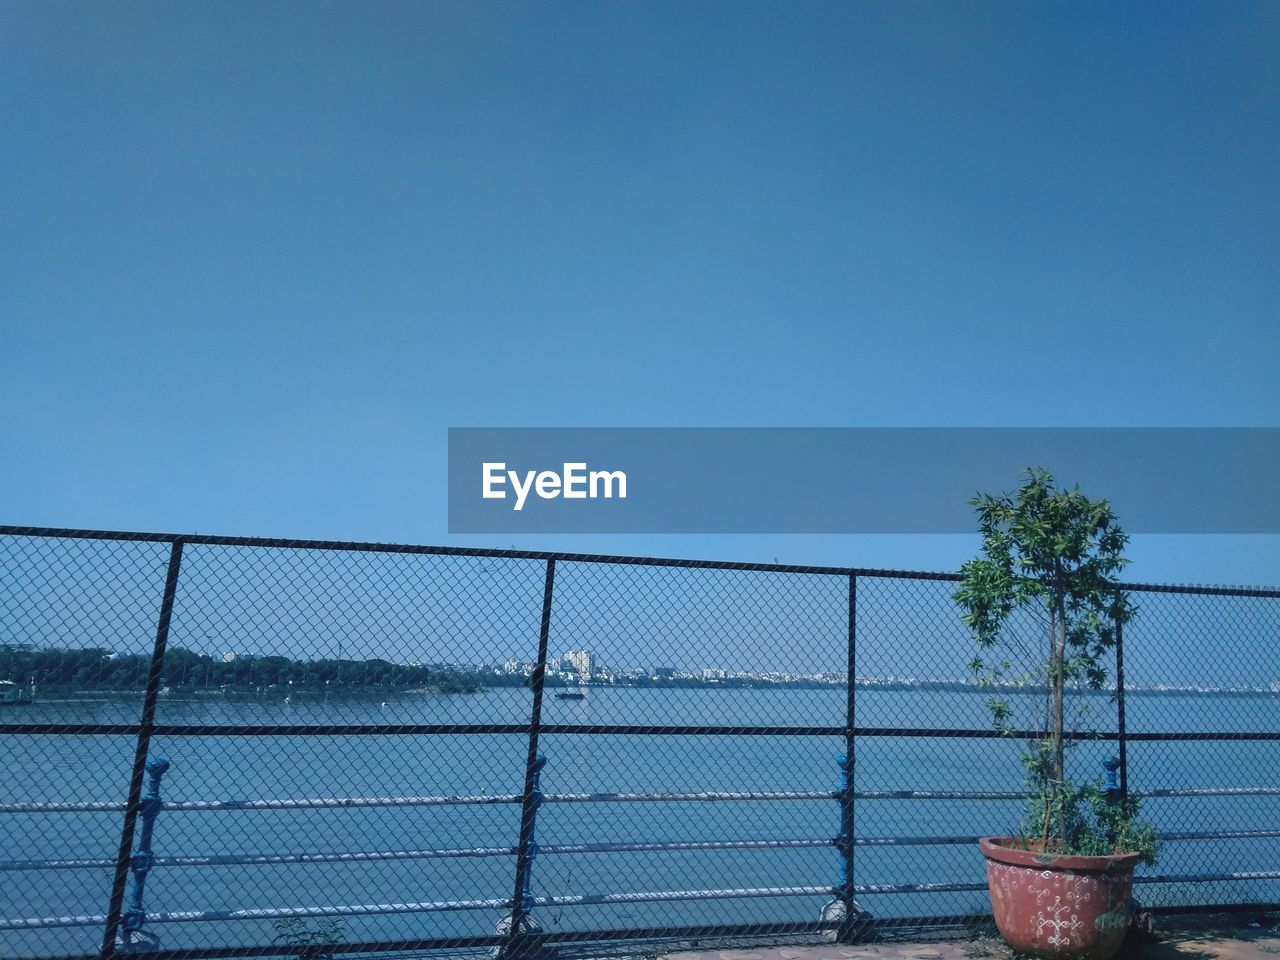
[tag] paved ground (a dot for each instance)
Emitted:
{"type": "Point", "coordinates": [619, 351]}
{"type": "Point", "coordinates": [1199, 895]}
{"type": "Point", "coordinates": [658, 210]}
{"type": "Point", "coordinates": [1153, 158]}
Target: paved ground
{"type": "Point", "coordinates": [1204, 940]}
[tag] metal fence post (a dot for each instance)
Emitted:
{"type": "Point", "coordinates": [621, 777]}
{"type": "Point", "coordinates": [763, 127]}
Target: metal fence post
{"type": "Point", "coordinates": [136, 916]}
{"type": "Point", "coordinates": [110, 935]}
{"type": "Point", "coordinates": [520, 928]}
{"type": "Point", "coordinates": [1120, 720]}
{"type": "Point", "coordinates": [845, 908]}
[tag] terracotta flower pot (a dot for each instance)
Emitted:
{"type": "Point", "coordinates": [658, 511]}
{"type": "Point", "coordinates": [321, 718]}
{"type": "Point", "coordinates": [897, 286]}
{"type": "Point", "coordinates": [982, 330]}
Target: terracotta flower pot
{"type": "Point", "coordinates": [1058, 906]}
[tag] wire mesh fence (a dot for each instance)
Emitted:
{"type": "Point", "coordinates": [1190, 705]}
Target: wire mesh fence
{"type": "Point", "coordinates": [235, 747]}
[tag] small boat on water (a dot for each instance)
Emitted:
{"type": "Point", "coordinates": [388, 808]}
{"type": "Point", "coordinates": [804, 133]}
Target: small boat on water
{"type": "Point", "coordinates": [571, 695]}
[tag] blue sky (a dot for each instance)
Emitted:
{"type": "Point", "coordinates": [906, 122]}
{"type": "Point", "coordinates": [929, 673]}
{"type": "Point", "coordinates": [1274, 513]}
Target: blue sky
{"type": "Point", "coordinates": [255, 259]}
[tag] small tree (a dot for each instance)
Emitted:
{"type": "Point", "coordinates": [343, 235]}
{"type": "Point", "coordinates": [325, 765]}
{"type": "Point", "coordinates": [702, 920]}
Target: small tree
{"type": "Point", "coordinates": [1052, 554]}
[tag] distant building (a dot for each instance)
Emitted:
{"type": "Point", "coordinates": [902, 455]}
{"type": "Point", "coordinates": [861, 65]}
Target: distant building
{"type": "Point", "coordinates": [17, 647]}
{"type": "Point", "coordinates": [662, 673]}
{"type": "Point", "coordinates": [713, 673]}
{"type": "Point", "coordinates": [229, 657]}
{"type": "Point", "coordinates": [580, 661]}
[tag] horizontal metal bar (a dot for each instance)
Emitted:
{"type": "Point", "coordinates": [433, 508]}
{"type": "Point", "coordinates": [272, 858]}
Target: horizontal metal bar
{"type": "Point", "coordinates": [341, 803]}
{"type": "Point", "coordinates": [432, 906]}
{"type": "Point", "coordinates": [1222, 835]}
{"type": "Point", "coordinates": [105, 806]}
{"type": "Point", "coordinates": [1207, 877]}
{"type": "Point", "coordinates": [423, 550]}
{"type": "Point", "coordinates": [286, 859]}
{"type": "Point", "coordinates": [940, 795]}
{"type": "Point", "coordinates": [267, 859]}
{"type": "Point", "coordinates": [702, 796]}
{"type": "Point", "coordinates": [1192, 909]}
{"type": "Point", "coordinates": [1269, 593]}
{"type": "Point", "coordinates": [409, 729]}
{"type": "Point", "coordinates": [871, 889]}
{"type": "Point", "coordinates": [320, 803]}
{"type": "Point", "coordinates": [677, 846]}
{"type": "Point", "coordinates": [937, 841]}
{"type": "Point", "coordinates": [482, 552]}
{"type": "Point", "coordinates": [1170, 878]}
{"type": "Point", "coordinates": [670, 896]}
{"type": "Point", "coordinates": [261, 913]}
{"type": "Point", "coordinates": [518, 729]}
{"type": "Point", "coordinates": [1213, 736]}
{"type": "Point", "coordinates": [1213, 792]}
{"type": "Point", "coordinates": [967, 733]}
{"type": "Point", "coordinates": [692, 797]}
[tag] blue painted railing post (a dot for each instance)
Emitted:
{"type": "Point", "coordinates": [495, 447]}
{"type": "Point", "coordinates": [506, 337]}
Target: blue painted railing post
{"type": "Point", "coordinates": [844, 841]}
{"type": "Point", "coordinates": [535, 802]}
{"type": "Point", "coordinates": [141, 861]}
{"type": "Point", "coordinates": [519, 927]}
{"type": "Point", "coordinates": [1112, 766]}
{"type": "Point", "coordinates": [845, 909]}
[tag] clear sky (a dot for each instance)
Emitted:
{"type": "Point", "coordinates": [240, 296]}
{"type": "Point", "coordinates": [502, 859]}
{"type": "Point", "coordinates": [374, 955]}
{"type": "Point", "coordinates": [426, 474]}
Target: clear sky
{"type": "Point", "coordinates": [256, 258]}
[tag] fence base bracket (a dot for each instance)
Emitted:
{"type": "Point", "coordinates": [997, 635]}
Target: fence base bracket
{"type": "Point", "coordinates": [853, 927]}
{"type": "Point", "coordinates": [137, 941]}
{"type": "Point", "coordinates": [524, 944]}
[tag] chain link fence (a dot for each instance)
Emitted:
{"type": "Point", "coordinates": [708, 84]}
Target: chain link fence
{"type": "Point", "coordinates": [218, 747]}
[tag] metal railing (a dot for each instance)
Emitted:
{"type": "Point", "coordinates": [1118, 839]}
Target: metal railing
{"type": "Point", "coordinates": [125, 921]}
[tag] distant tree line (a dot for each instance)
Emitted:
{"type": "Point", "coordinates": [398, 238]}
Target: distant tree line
{"type": "Point", "coordinates": [98, 668]}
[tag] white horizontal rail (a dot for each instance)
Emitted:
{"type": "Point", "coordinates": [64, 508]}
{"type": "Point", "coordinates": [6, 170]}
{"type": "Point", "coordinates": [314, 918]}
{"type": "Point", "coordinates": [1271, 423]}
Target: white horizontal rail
{"type": "Point", "coordinates": [918, 888]}
{"type": "Point", "coordinates": [317, 803]}
{"type": "Point", "coordinates": [274, 859]}
{"type": "Point", "coordinates": [1213, 792]}
{"type": "Point", "coordinates": [1208, 877]}
{"type": "Point", "coordinates": [692, 797]}
{"type": "Point", "coordinates": [341, 803]}
{"type": "Point", "coordinates": [434, 906]}
{"type": "Point", "coordinates": [263, 859]}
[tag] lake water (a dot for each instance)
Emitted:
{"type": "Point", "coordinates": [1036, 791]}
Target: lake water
{"type": "Point", "coordinates": [95, 768]}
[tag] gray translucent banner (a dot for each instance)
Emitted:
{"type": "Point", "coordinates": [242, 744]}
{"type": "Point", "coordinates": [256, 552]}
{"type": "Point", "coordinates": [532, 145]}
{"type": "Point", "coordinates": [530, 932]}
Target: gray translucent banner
{"type": "Point", "coordinates": [849, 480]}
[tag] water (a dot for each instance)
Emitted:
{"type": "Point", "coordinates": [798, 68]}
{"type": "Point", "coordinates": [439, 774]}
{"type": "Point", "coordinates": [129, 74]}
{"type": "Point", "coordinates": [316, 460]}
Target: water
{"type": "Point", "coordinates": [95, 768]}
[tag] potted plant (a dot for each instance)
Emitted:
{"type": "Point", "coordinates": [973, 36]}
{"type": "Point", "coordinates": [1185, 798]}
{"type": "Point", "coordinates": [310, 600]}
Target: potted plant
{"type": "Point", "coordinates": [1045, 581]}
